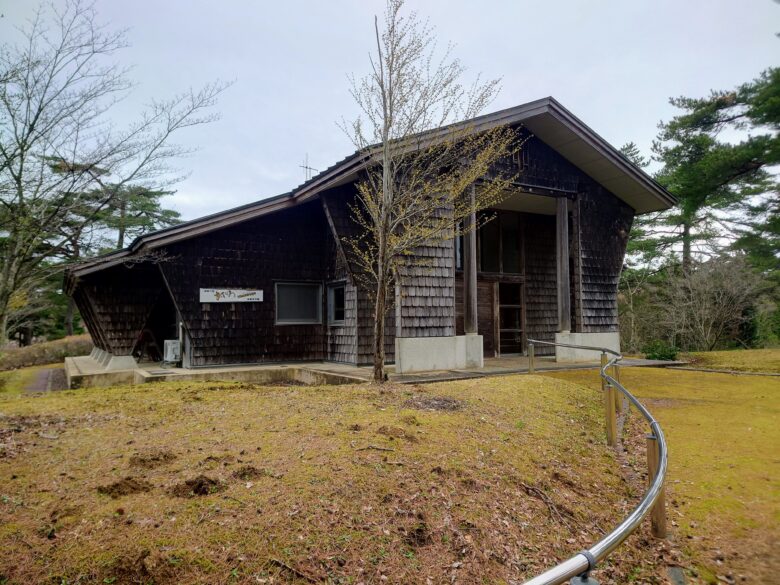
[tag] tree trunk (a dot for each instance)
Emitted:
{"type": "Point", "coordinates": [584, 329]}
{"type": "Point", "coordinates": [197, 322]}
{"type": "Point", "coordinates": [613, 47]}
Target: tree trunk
{"type": "Point", "coordinates": [69, 317]}
{"type": "Point", "coordinates": [120, 238]}
{"type": "Point", "coordinates": [632, 321]}
{"type": "Point", "coordinates": [686, 254]}
{"type": "Point", "coordinates": [25, 336]}
{"type": "Point", "coordinates": [3, 324]}
{"type": "Point", "coordinates": [379, 329]}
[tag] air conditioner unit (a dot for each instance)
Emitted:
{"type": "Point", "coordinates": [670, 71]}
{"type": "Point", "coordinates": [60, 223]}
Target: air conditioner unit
{"type": "Point", "coordinates": [172, 352]}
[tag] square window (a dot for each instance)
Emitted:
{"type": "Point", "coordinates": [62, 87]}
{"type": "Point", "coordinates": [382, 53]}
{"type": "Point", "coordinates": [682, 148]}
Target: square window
{"type": "Point", "coordinates": [336, 303]}
{"type": "Point", "coordinates": [298, 303]}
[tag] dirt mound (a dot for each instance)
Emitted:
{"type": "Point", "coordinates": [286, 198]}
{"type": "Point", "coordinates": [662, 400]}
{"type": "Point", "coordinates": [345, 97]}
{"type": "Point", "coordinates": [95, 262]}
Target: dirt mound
{"type": "Point", "coordinates": [213, 460]}
{"type": "Point", "coordinates": [396, 433]}
{"type": "Point", "coordinates": [418, 534]}
{"type": "Point", "coordinates": [251, 472]}
{"type": "Point", "coordinates": [434, 403]}
{"type": "Point", "coordinates": [410, 420]}
{"type": "Point", "coordinates": [201, 485]}
{"type": "Point", "coordinates": [124, 487]}
{"type": "Point", "coordinates": [151, 459]}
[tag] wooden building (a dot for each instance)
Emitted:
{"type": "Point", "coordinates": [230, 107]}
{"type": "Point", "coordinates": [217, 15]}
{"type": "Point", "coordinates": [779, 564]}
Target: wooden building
{"type": "Point", "coordinates": [270, 281]}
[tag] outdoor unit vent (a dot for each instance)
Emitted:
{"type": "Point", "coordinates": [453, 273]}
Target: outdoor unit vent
{"type": "Point", "coordinates": [172, 351]}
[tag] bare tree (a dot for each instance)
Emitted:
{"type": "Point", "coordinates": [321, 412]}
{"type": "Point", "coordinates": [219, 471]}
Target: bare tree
{"type": "Point", "coordinates": [58, 86]}
{"type": "Point", "coordinates": [703, 307]}
{"type": "Point", "coordinates": [419, 178]}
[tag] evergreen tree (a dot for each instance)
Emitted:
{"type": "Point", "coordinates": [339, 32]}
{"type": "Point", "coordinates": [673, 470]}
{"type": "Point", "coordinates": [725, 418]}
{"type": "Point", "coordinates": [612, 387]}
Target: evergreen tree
{"type": "Point", "coordinates": [137, 210]}
{"type": "Point", "coordinates": [723, 186]}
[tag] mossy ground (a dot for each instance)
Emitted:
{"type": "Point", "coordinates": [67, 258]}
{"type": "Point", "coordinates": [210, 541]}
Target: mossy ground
{"type": "Point", "coordinates": [346, 484]}
{"type": "Point", "coordinates": [724, 473]}
{"type": "Point", "coordinates": [738, 360]}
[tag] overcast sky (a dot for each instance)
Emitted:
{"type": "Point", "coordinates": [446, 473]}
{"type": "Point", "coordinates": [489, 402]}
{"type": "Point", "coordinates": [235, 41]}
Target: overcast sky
{"type": "Point", "coordinates": [613, 63]}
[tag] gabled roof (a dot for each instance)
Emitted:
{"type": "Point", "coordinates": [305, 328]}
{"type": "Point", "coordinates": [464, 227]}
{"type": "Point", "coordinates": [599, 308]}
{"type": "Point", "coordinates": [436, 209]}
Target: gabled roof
{"type": "Point", "coordinates": [545, 118]}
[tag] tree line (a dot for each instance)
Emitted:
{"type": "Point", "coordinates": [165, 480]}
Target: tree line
{"type": "Point", "coordinates": [706, 274]}
{"type": "Point", "coordinates": [73, 183]}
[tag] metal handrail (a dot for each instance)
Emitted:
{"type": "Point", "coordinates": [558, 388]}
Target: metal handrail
{"type": "Point", "coordinates": [583, 562]}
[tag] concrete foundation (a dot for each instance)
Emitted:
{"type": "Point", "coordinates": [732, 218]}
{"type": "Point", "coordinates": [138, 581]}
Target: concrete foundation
{"type": "Point", "coordinates": [609, 340]}
{"type": "Point", "coordinates": [422, 354]}
{"type": "Point", "coordinates": [99, 368]}
{"type": "Point", "coordinates": [87, 372]}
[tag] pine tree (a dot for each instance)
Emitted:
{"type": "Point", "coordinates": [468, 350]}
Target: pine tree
{"type": "Point", "coordinates": [721, 185]}
{"type": "Point", "coordinates": [137, 210]}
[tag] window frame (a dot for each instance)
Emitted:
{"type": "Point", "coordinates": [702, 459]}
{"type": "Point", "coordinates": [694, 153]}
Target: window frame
{"type": "Point", "coordinates": [307, 283]}
{"type": "Point", "coordinates": [521, 227]}
{"type": "Point", "coordinates": [330, 301]}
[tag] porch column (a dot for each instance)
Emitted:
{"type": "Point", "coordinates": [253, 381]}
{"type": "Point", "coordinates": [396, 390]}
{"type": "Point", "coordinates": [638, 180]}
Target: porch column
{"type": "Point", "coordinates": [470, 270]}
{"type": "Point", "coordinates": [562, 256]}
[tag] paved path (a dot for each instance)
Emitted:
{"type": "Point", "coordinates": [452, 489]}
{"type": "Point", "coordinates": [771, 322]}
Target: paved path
{"type": "Point", "coordinates": [47, 380]}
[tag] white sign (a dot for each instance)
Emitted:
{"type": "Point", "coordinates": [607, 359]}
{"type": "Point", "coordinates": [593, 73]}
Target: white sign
{"type": "Point", "coordinates": [231, 295]}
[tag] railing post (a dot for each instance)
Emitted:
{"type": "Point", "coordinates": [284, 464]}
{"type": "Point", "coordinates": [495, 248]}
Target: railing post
{"type": "Point", "coordinates": [658, 513]}
{"type": "Point", "coordinates": [531, 365]}
{"type": "Point", "coordinates": [609, 405]}
{"type": "Point", "coordinates": [618, 394]}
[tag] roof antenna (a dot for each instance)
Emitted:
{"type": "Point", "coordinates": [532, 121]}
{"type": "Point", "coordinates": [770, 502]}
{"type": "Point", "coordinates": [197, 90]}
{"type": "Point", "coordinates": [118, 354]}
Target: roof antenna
{"type": "Point", "coordinates": [307, 170]}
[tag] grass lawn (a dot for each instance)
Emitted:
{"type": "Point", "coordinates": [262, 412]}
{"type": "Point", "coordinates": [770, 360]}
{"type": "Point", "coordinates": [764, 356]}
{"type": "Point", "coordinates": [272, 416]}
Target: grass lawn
{"type": "Point", "coordinates": [724, 478]}
{"type": "Point", "coordinates": [485, 481]}
{"type": "Point", "coordinates": [738, 360]}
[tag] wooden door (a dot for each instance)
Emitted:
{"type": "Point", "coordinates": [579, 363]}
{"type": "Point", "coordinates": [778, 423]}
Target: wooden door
{"type": "Point", "coordinates": [510, 318]}
{"type": "Point", "coordinates": [487, 308]}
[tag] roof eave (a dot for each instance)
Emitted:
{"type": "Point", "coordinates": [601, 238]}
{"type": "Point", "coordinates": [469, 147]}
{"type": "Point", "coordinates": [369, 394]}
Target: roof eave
{"type": "Point", "coordinates": [355, 162]}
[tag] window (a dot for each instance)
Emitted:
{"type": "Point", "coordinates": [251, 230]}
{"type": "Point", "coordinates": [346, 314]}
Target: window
{"type": "Point", "coordinates": [490, 258]}
{"type": "Point", "coordinates": [500, 240]}
{"type": "Point", "coordinates": [298, 303]}
{"type": "Point", "coordinates": [336, 304]}
{"type": "Point", "coordinates": [510, 243]}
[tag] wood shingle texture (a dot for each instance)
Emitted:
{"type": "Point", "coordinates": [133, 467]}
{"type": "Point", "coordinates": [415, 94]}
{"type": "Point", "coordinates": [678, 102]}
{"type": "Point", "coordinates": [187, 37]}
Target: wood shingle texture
{"type": "Point", "coordinates": [116, 304]}
{"type": "Point", "coordinates": [292, 245]}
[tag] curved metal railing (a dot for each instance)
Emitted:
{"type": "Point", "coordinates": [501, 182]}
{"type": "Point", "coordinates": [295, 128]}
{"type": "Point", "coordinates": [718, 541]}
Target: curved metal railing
{"type": "Point", "coordinates": [583, 562]}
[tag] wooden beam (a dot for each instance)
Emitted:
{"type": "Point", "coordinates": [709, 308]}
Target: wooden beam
{"type": "Point", "coordinates": [470, 270]}
{"type": "Point", "coordinates": [576, 251]}
{"type": "Point", "coordinates": [562, 256]}
{"type": "Point", "coordinates": [337, 237]}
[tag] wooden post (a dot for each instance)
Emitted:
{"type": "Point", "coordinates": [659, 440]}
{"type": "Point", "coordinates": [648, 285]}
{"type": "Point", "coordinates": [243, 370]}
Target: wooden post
{"type": "Point", "coordinates": [658, 513]}
{"type": "Point", "coordinates": [470, 270]}
{"type": "Point", "coordinates": [618, 394]}
{"type": "Point", "coordinates": [531, 357]}
{"type": "Point", "coordinates": [609, 406]}
{"type": "Point", "coordinates": [562, 260]}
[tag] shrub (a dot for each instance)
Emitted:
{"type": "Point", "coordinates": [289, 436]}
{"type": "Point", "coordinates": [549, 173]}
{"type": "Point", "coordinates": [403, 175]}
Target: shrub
{"type": "Point", "coordinates": [660, 350]}
{"type": "Point", "coordinates": [48, 352]}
